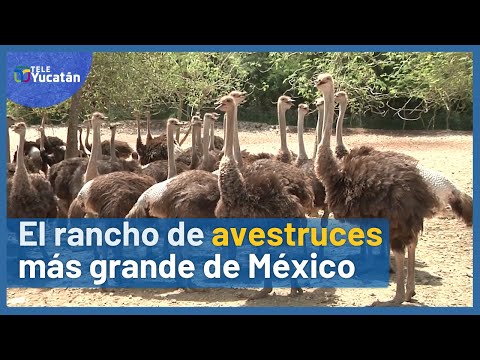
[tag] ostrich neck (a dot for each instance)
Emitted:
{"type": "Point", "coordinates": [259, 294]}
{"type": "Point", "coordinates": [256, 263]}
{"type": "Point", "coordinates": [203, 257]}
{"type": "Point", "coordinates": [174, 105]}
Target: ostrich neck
{"type": "Point", "coordinates": [172, 169]}
{"type": "Point", "coordinates": [236, 144]}
{"type": "Point", "coordinates": [86, 138]}
{"type": "Point", "coordinates": [113, 154]}
{"type": "Point", "coordinates": [212, 136]}
{"type": "Point", "coordinates": [139, 136]}
{"type": "Point", "coordinates": [195, 159]}
{"type": "Point", "coordinates": [92, 171]}
{"type": "Point", "coordinates": [21, 170]}
{"type": "Point", "coordinates": [329, 106]}
{"type": "Point", "coordinates": [230, 181]}
{"type": "Point", "coordinates": [42, 140]}
{"type": "Point", "coordinates": [339, 130]}
{"type": "Point", "coordinates": [224, 131]}
{"type": "Point", "coordinates": [99, 142]}
{"type": "Point", "coordinates": [326, 166]}
{"type": "Point", "coordinates": [319, 128]}
{"type": "Point", "coordinates": [230, 132]}
{"type": "Point", "coordinates": [206, 136]}
{"type": "Point", "coordinates": [282, 122]}
{"type": "Point", "coordinates": [302, 155]}
{"type": "Point", "coordinates": [149, 134]}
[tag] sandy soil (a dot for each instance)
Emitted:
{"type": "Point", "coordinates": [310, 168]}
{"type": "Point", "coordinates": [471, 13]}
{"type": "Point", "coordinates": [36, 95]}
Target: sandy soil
{"type": "Point", "coordinates": [444, 264]}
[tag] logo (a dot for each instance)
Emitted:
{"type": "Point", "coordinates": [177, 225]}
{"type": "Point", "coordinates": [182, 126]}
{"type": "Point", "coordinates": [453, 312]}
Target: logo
{"type": "Point", "coordinates": [44, 79]}
{"type": "Point", "coordinates": [21, 74]}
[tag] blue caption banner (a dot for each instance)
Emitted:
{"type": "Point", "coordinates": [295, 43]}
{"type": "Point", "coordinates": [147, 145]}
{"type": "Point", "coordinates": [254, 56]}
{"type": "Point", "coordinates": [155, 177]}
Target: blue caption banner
{"type": "Point", "coordinates": [197, 253]}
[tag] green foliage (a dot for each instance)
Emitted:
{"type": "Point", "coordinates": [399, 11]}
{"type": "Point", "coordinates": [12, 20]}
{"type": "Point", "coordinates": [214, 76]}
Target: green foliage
{"type": "Point", "coordinates": [386, 90]}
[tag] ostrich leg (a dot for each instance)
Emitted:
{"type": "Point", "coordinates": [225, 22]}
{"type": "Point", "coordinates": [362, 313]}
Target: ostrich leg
{"type": "Point", "coordinates": [411, 271]}
{"type": "Point", "coordinates": [400, 292]}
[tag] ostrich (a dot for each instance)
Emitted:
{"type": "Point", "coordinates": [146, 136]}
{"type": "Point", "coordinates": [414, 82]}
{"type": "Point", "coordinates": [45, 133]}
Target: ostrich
{"type": "Point", "coordinates": [122, 149]}
{"type": "Point", "coordinates": [241, 156]}
{"type": "Point", "coordinates": [156, 149]}
{"type": "Point", "coordinates": [68, 176]}
{"type": "Point", "coordinates": [255, 194]}
{"type": "Point", "coordinates": [445, 190]}
{"type": "Point", "coordinates": [190, 157]}
{"type": "Point", "coordinates": [210, 157]}
{"type": "Point", "coordinates": [149, 137]}
{"type": "Point", "coordinates": [87, 144]}
{"type": "Point", "coordinates": [191, 194]}
{"type": "Point", "coordinates": [216, 142]}
{"type": "Point", "coordinates": [302, 157]}
{"type": "Point", "coordinates": [29, 195]}
{"type": "Point", "coordinates": [82, 176]}
{"type": "Point", "coordinates": [239, 97]}
{"type": "Point", "coordinates": [368, 184]}
{"type": "Point", "coordinates": [318, 130]}
{"type": "Point", "coordinates": [46, 159]}
{"type": "Point", "coordinates": [307, 165]}
{"type": "Point", "coordinates": [125, 165]}
{"type": "Point", "coordinates": [295, 179]}
{"type": "Point", "coordinates": [159, 169]}
{"type": "Point", "coordinates": [32, 157]}
{"type": "Point", "coordinates": [54, 146]}
{"type": "Point", "coordinates": [283, 104]}
{"type": "Point", "coordinates": [140, 147]}
{"type": "Point", "coordinates": [110, 195]}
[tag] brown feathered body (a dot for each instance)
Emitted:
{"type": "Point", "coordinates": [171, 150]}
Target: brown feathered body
{"type": "Point", "coordinates": [292, 178]}
{"type": "Point", "coordinates": [67, 177]}
{"type": "Point", "coordinates": [259, 192]}
{"type": "Point", "coordinates": [113, 195]}
{"type": "Point", "coordinates": [191, 194]}
{"type": "Point", "coordinates": [159, 169]}
{"type": "Point", "coordinates": [375, 184]}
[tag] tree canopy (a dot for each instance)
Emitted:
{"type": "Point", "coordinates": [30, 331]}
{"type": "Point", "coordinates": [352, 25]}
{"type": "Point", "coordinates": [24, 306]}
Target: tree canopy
{"type": "Point", "coordinates": [385, 89]}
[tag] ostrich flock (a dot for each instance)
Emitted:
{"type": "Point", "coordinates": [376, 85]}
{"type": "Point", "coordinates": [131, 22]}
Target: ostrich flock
{"type": "Point", "coordinates": [216, 178]}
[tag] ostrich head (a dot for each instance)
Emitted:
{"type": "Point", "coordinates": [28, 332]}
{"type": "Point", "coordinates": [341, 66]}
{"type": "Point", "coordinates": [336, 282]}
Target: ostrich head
{"type": "Point", "coordinates": [20, 128]}
{"type": "Point", "coordinates": [98, 117]}
{"type": "Point", "coordinates": [196, 122]}
{"type": "Point", "coordinates": [341, 97]}
{"type": "Point", "coordinates": [303, 109]}
{"type": "Point", "coordinates": [319, 103]}
{"type": "Point", "coordinates": [225, 103]}
{"type": "Point", "coordinates": [323, 82]}
{"type": "Point", "coordinates": [212, 116]}
{"type": "Point", "coordinates": [285, 102]}
{"type": "Point", "coordinates": [172, 122]}
{"type": "Point", "coordinates": [238, 96]}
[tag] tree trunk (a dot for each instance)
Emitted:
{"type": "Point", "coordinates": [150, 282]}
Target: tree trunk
{"type": "Point", "coordinates": [73, 115]}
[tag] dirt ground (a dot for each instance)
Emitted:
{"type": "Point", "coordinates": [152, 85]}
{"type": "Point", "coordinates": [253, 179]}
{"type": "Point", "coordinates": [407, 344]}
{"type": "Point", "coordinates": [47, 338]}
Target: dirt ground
{"type": "Point", "coordinates": [444, 264]}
